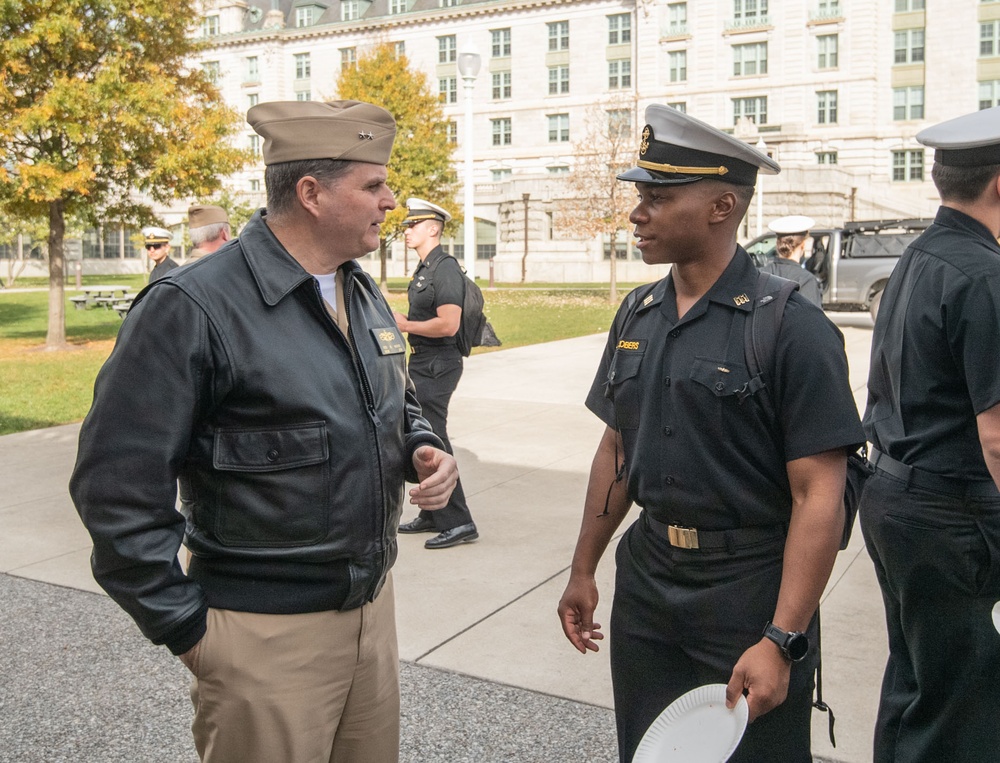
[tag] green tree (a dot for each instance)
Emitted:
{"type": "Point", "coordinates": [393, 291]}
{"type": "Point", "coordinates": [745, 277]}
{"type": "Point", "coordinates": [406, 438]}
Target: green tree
{"type": "Point", "coordinates": [599, 203]}
{"type": "Point", "coordinates": [101, 115]}
{"type": "Point", "coordinates": [421, 161]}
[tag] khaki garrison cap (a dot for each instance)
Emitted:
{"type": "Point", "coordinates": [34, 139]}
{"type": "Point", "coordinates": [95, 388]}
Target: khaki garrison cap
{"type": "Point", "coordinates": [418, 210]}
{"type": "Point", "coordinates": [347, 130]}
{"type": "Point", "coordinates": [155, 235]}
{"type": "Point", "coordinates": [968, 141]}
{"type": "Point", "coordinates": [200, 215]}
{"type": "Point", "coordinates": [791, 225]}
{"type": "Point", "coordinates": [677, 148]}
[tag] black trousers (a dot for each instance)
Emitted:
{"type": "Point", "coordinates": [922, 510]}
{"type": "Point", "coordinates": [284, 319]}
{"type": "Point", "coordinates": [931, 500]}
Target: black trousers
{"type": "Point", "coordinates": [435, 374]}
{"type": "Point", "coordinates": [937, 559]}
{"type": "Point", "coordinates": [681, 618]}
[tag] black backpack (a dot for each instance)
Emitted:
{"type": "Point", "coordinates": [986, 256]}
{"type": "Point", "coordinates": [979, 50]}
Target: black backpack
{"type": "Point", "coordinates": [474, 330]}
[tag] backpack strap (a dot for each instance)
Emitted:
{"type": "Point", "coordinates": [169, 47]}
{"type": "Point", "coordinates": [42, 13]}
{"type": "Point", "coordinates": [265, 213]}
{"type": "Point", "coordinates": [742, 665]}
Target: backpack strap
{"type": "Point", "coordinates": [761, 334]}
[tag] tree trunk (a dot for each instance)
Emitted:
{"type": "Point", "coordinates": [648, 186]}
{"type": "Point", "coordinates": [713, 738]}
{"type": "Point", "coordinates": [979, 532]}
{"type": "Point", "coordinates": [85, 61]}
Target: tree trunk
{"type": "Point", "coordinates": [55, 339]}
{"type": "Point", "coordinates": [613, 295]}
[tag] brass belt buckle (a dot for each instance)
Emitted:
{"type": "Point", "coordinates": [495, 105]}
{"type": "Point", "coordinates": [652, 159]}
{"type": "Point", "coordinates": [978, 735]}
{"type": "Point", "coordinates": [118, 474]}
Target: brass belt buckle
{"type": "Point", "coordinates": [682, 537]}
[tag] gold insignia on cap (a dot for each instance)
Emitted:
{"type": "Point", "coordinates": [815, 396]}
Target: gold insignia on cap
{"type": "Point", "coordinates": [742, 299]}
{"type": "Point", "coordinates": [644, 146]}
{"type": "Point", "coordinates": [681, 170]}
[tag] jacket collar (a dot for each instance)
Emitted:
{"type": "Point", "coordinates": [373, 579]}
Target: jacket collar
{"type": "Point", "coordinates": [276, 272]}
{"type": "Point", "coordinates": [952, 218]}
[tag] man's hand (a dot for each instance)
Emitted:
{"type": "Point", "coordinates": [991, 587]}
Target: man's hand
{"type": "Point", "coordinates": [190, 657]}
{"type": "Point", "coordinates": [764, 672]}
{"type": "Point", "coordinates": [576, 614]}
{"type": "Point", "coordinates": [438, 474]}
{"type": "Point", "coordinates": [401, 320]}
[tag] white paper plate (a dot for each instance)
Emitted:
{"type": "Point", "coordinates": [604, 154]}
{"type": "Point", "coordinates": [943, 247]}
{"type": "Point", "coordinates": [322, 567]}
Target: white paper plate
{"type": "Point", "coordinates": [996, 616]}
{"type": "Point", "coordinates": [696, 728]}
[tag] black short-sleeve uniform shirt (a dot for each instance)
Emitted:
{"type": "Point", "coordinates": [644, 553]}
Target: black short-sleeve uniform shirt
{"type": "Point", "coordinates": [936, 349]}
{"type": "Point", "coordinates": [697, 454]}
{"type": "Point", "coordinates": [438, 280]}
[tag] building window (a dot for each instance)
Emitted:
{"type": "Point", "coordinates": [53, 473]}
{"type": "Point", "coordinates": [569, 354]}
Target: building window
{"type": "Point", "coordinates": [399, 48]}
{"type": "Point", "coordinates": [908, 103]}
{"type": "Point", "coordinates": [558, 169]}
{"type": "Point", "coordinates": [348, 58]}
{"type": "Point", "coordinates": [447, 3]}
{"type": "Point", "coordinates": [826, 157]}
{"type": "Point", "coordinates": [558, 128]}
{"type": "Point", "coordinates": [304, 15]}
{"type": "Point", "coordinates": [252, 69]}
{"type": "Point", "coordinates": [754, 109]}
{"type": "Point", "coordinates": [350, 10]}
{"type": "Point", "coordinates": [397, 6]}
{"type": "Point", "coordinates": [558, 80]}
{"type": "Point", "coordinates": [501, 43]}
{"type": "Point", "coordinates": [826, 9]}
{"type": "Point", "coordinates": [750, 11]}
{"type": "Point", "coordinates": [500, 175]}
{"type": "Point", "coordinates": [255, 186]}
{"type": "Point", "coordinates": [501, 131]}
{"type": "Point", "coordinates": [902, 6]}
{"type": "Point", "coordinates": [451, 131]}
{"type": "Point", "coordinates": [677, 18]}
{"type": "Point", "coordinates": [826, 107]}
{"type": "Point", "coordinates": [212, 71]}
{"type": "Point", "coordinates": [252, 100]}
{"type": "Point", "coordinates": [750, 59]}
{"type": "Point", "coordinates": [558, 35]}
{"type": "Point", "coordinates": [620, 123]}
{"type": "Point", "coordinates": [989, 39]}
{"type": "Point", "coordinates": [448, 89]}
{"type": "Point", "coordinates": [447, 49]}
{"type": "Point", "coordinates": [303, 66]}
{"type": "Point", "coordinates": [908, 165]}
{"type": "Point", "coordinates": [254, 144]}
{"type": "Point", "coordinates": [678, 66]}
{"type": "Point", "coordinates": [681, 106]}
{"type": "Point", "coordinates": [501, 86]}
{"type": "Point", "coordinates": [210, 26]}
{"type": "Point", "coordinates": [303, 95]}
{"type": "Point", "coordinates": [909, 46]}
{"type": "Point", "coordinates": [619, 29]}
{"type": "Point", "coordinates": [989, 94]}
{"type": "Point", "coordinates": [827, 46]}
{"type": "Point", "coordinates": [620, 74]}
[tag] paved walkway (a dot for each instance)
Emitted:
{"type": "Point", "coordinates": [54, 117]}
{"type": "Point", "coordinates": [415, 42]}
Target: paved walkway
{"type": "Point", "coordinates": [488, 675]}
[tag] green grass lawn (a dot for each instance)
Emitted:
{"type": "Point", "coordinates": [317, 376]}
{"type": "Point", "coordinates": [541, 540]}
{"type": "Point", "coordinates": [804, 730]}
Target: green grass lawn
{"type": "Point", "coordinates": [42, 388]}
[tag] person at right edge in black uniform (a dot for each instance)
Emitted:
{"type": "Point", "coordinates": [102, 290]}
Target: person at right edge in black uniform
{"type": "Point", "coordinates": [436, 294]}
{"type": "Point", "coordinates": [931, 512]}
{"type": "Point", "coordinates": [719, 579]}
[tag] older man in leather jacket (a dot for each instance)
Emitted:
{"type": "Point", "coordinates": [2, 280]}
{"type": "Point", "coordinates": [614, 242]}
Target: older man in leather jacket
{"type": "Point", "coordinates": [279, 400]}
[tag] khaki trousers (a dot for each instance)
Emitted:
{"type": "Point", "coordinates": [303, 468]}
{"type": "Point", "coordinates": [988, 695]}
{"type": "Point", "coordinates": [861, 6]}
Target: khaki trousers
{"type": "Point", "coordinates": [320, 687]}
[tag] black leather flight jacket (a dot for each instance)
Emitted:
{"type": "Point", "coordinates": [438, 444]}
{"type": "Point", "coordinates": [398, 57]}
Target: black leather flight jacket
{"type": "Point", "coordinates": [290, 444]}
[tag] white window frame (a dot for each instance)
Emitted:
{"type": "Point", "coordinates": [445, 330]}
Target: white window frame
{"type": "Point", "coordinates": [826, 107]}
{"type": "Point", "coordinates": [677, 18]}
{"type": "Point", "coordinates": [746, 10]}
{"type": "Point", "coordinates": [448, 89]}
{"type": "Point", "coordinates": [350, 10]}
{"type": "Point", "coordinates": [908, 46]}
{"type": "Point", "coordinates": [559, 79]}
{"type": "Point", "coordinates": [828, 51]}
{"type": "Point", "coordinates": [502, 131]}
{"type": "Point", "coordinates": [500, 42]}
{"type": "Point", "coordinates": [558, 35]}
{"type": "Point", "coordinates": [447, 49]}
{"type": "Point", "coordinates": [620, 74]}
{"type": "Point", "coordinates": [501, 86]}
{"type": "Point", "coordinates": [753, 107]}
{"type": "Point", "coordinates": [750, 59]}
{"type": "Point", "coordinates": [989, 94]}
{"type": "Point", "coordinates": [304, 15]}
{"type": "Point", "coordinates": [907, 103]}
{"type": "Point", "coordinates": [303, 66]}
{"type": "Point", "coordinates": [908, 165]}
{"type": "Point", "coordinates": [252, 69]}
{"type": "Point", "coordinates": [558, 128]}
{"type": "Point", "coordinates": [677, 62]}
{"type": "Point", "coordinates": [619, 28]}
{"type": "Point", "coordinates": [210, 26]}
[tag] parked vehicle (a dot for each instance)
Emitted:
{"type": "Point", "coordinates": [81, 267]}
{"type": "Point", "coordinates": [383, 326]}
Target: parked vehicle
{"type": "Point", "coordinates": [852, 263]}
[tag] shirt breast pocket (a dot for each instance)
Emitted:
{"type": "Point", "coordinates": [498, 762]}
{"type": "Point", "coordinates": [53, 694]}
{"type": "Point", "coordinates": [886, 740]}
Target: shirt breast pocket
{"type": "Point", "coordinates": [624, 387]}
{"type": "Point", "coordinates": [725, 383]}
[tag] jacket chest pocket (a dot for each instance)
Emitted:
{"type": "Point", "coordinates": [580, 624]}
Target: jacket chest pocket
{"type": "Point", "coordinates": [272, 485]}
{"type": "Point", "coordinates": [723, 379]}
{"type": "Point", "coordinates": [624, 387]}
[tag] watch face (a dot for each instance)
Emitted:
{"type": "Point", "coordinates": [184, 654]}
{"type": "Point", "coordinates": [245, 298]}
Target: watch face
{"type": "Point", "coordinates": [797, 647]}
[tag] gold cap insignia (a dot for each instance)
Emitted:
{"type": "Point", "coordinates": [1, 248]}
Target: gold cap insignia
{"type": "Point", "coordinates": [644, 145]}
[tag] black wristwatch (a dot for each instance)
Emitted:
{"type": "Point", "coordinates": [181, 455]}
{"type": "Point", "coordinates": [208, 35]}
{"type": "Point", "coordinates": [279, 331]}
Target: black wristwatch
{"type": "Point", "coordinates": [793, 645]}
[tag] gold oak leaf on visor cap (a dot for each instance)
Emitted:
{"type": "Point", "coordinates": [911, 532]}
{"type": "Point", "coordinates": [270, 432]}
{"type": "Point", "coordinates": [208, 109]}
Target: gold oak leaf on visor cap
{"type": "Point", "coordinates": [155, 235]}
{"type": "Point", "coordinates": [418, 210]}
{"type": "Point", "coordinates": [676, 148]}
{"type": "Point", "coordinates": [347, 130]}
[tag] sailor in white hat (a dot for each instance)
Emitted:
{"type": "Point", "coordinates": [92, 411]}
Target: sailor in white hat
{"type": "Point", "coordinates": [741, 501]}
{"type": "Point", "coordinates": [931, 511]}
{"type": "Point", "coordinates": [790, 249]}
{"type": "Point", "coordinates": [157, 242]}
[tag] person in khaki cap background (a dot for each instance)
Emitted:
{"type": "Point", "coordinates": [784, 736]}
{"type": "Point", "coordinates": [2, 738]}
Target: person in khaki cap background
{"type": "Point", "coordinates": [279, 399]}
{"type": "Point", "coordinates": [208, 226]}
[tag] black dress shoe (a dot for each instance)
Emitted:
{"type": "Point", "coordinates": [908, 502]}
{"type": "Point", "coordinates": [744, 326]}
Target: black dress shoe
{"type": "Point", "coordinates": [418, 525]}
{"type": "Point", "coordinates": [454, 536]}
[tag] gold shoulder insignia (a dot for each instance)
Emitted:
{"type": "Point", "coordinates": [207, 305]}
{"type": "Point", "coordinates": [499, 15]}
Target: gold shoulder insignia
{"type": "Point", "coordinates": [742, 299]}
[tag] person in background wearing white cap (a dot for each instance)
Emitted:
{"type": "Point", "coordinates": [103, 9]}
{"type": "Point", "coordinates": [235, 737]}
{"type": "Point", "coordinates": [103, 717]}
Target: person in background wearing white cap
{"type": "Point", "coordinates": [280, 401]}
{"type": "Point", "coordinates": [208, 226]}
{"type": "Point", "coordinates": [792, 232]}
{"type": "Point", "coordinates": [719, 579]}
{"type": "Point", "coordinates": [931, 512]}
{"type": "Point", "coordinates": [436, 293]}
{"type": "Point", "coordinates": [157, 243]}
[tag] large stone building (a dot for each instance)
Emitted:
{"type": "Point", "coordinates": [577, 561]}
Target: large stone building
{"type": "Point", "coordinates": [835, 90]}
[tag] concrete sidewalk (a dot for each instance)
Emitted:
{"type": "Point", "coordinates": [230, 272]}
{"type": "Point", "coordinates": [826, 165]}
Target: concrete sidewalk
{"type": "Point", "coordinates": [488, 673]}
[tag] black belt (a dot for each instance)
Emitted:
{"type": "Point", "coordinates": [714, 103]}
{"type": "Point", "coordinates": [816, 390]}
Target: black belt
{"type": "Point", "coordinates": [424, 349]}
{"type": "Point", "coordinates": [715, 540]}
{"type": "Point", "coordinates": [954, 486]}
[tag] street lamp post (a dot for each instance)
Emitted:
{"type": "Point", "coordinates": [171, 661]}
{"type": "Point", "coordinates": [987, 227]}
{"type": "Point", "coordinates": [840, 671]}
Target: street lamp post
{"type": "Point", "coordinates": [469, 61]}
{"type": "Point", "coordinates": [762, 147]}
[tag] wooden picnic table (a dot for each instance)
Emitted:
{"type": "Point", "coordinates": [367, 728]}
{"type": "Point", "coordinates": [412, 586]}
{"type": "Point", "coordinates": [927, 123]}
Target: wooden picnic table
{"type": "Point", "coordinates": [106, 295]}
